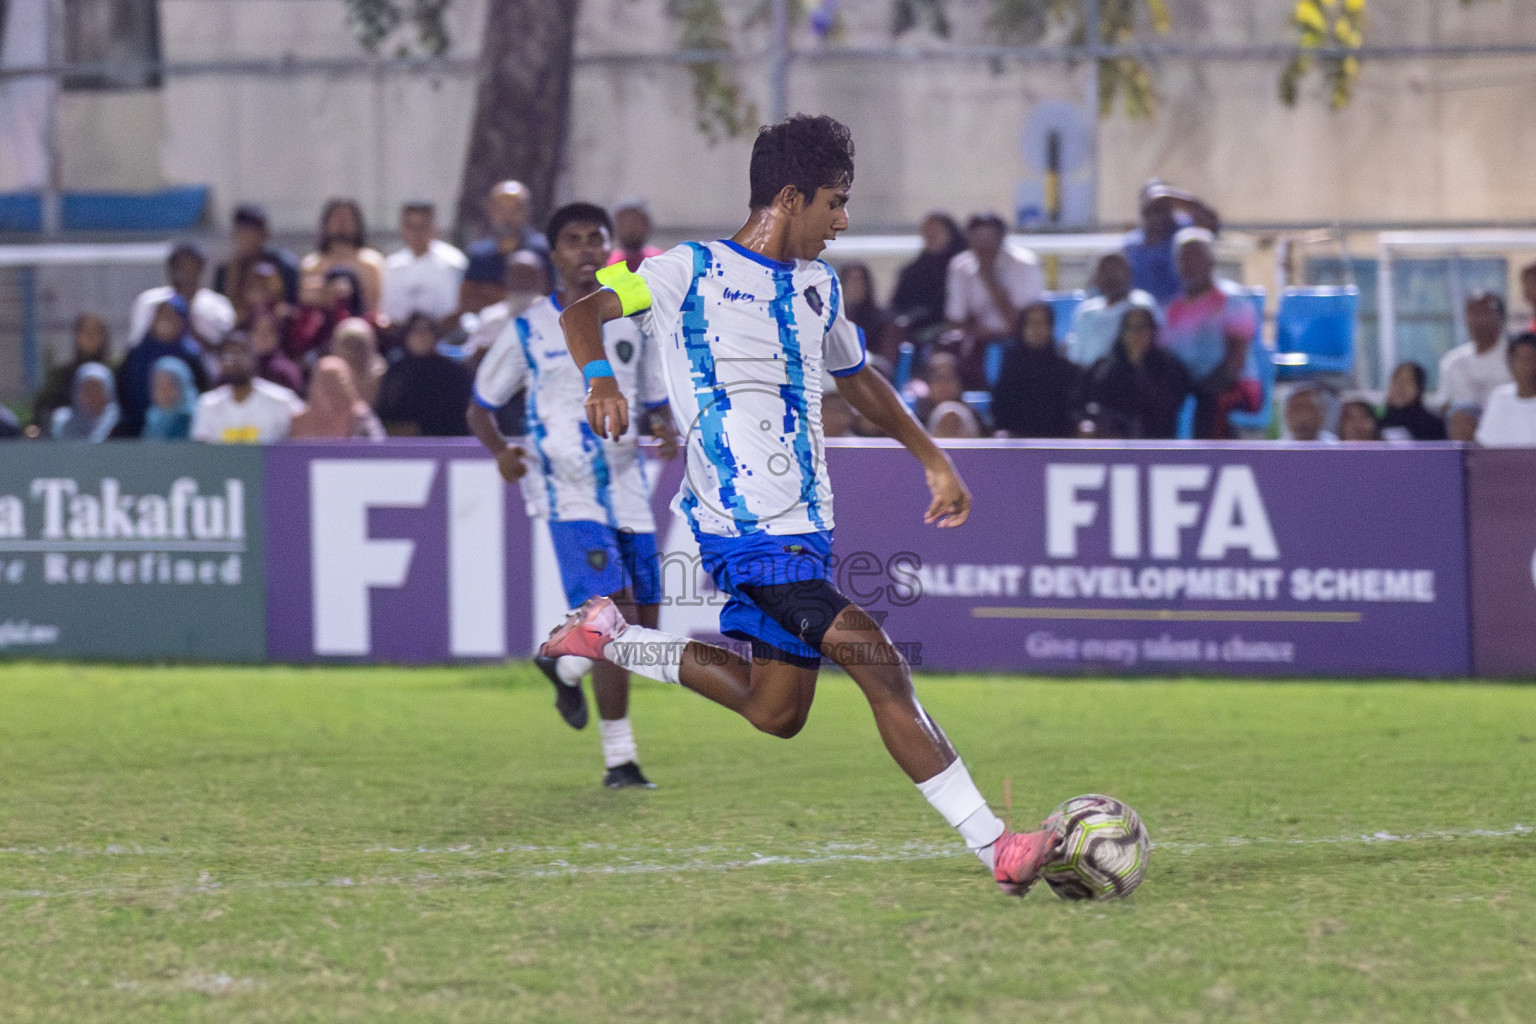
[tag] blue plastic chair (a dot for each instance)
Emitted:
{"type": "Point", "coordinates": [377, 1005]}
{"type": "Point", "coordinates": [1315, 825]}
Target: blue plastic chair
{"type": "Point", "coordinates": [1063, 305]}
{"type": "Point", "coordinates": [981, 404]}
{"type": "Point", "coordinates": [1260, 367]}
{"type": "Point", "coordinates": [993, 366]}
{"type": "Point", "coordinates": [906, 356]}
{"type": "Point", "coordinates": [1185, 431]}
{"type": "Point", "coordinates": [1315, 331]}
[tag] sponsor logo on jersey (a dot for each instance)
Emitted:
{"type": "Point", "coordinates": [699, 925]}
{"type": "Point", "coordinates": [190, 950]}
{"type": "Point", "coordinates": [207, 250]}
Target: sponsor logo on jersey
{"type": "Point", "coordinates": [733, 295]}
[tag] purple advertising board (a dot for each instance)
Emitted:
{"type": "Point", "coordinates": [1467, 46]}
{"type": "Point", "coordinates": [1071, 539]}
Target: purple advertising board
{"type": "Point", "coordinates": [415, 551]}
{"type": "Point", "coordinates": [1143, 558]}
{"type": "Point", "coordinates": [1501, 531]}
{"type": "Point", "coordinates": [1134, 558]}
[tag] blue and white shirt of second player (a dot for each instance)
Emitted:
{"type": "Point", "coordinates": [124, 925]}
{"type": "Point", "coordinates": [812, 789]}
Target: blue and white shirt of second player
{"type": "Point", "coordinates": [744, 340]}
{"type": "Point", "coordinates": [573, 474]}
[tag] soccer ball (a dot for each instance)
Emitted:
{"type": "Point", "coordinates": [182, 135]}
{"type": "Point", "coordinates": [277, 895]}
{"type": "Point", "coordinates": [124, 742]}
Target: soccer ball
{"type": "Point", "coordinates": [1104, 849]}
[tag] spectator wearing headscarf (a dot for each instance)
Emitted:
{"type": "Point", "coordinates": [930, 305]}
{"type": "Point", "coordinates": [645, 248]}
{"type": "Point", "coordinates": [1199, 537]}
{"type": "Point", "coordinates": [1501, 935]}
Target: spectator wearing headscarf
{"type": "Point", "coordinates": [209, 315]}
{"type": "Point", "coordinates": [91, 346]}
{"type": "Point", "coordinates": [1037, 385]}
{"type": "Point", "coordinates": [325, 301]}
{"type": "Point", "coordinates": [918, 301]}
{"type": "Point", "coordinates": [860, 307]}
{"type": "Point", "coordinates": [426, 393]}
{"type": "Point", "coordinates": [356, 342]}
{"type": "Point", "coordinates": [168, 335]}
{"type": "Point", "coordinates": [92, 412]}
{"type": "Point", "coordinates": [175, 398]}
{"type": "Point", "coordinates": [334, 409]}
{"type": "Point", "coordinates": [1139, 387]}
{"type": "Point", "coordinates": [1406, 418]}
{"type": "Point", "coordinates": [272, 363]}
{"type": "Point", "coordinates": [1357, 420]}
{"type": "Point", "coordinates": [1096, 321]}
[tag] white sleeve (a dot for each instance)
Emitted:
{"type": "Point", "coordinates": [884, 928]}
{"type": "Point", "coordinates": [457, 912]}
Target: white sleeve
{"type": "Point", "coordinates": [843, 349]}
{"type": "Point", "coordinates": [653, 373]}
{"type": "Point", "coordinates": [504, 370]}
{"type": "Point", "coordinates": [668, 277]}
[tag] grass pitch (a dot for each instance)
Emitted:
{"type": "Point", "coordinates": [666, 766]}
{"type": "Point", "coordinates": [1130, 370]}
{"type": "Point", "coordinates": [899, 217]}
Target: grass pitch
{"type": "Point", "coordinates": [431, 845]}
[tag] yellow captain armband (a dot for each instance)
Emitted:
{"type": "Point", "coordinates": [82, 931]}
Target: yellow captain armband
{"type": "Point", "coordinates": [634, 294]}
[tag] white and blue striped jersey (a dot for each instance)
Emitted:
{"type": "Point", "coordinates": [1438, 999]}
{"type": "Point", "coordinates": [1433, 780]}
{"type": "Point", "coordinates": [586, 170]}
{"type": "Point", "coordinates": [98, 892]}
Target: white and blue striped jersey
{"type": "Point", "coordinates": [572, 473]}
{"type": "Point", "coordinates": [744, 340]}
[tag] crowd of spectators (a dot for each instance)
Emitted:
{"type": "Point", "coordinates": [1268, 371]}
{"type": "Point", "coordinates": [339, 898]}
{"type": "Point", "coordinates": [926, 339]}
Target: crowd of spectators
{"type": "Point", "coordinates": [343, 342]}
{"type": "Point", "coordinates": [349, 342]}
{"type": "Point", "coordinates": [1161, 347]}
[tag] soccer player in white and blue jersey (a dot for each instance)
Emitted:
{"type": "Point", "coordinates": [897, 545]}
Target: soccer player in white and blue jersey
{"type": "Point", "coordinates": [745, 327]}
{"type": "Point", "coordinates": [591, 491]}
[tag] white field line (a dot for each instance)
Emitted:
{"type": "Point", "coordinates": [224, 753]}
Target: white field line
{"type": "Point", "coordinates": [620, 863]}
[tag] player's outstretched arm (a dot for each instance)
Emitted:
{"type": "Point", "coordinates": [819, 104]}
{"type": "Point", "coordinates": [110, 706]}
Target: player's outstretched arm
{"type": "Point", "coordinates": [872, 395]}
{"type": "Point", "coordinates": [582, 322]}
{"type": "Point", "coordinates": [509, 457]}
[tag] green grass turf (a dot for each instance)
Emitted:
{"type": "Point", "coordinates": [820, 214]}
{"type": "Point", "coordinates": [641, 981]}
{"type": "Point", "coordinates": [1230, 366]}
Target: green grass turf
{"type": "Point", "coordinates": [431, 845]}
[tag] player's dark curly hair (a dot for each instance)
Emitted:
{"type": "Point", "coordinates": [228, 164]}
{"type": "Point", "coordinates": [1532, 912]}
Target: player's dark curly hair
{"type": "Point", "coordinates": [808, 151]}
{"type": "Point", "coordinates": [576, 213]}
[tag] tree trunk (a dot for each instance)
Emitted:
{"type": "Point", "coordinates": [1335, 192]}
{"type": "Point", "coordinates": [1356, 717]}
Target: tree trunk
{"type": "Point", "coordinates": [521, 104]}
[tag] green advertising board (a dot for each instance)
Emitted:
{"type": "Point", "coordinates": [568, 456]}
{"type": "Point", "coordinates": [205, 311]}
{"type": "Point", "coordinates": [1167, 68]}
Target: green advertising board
{"type": "Point", "coordinates": [134, 551]}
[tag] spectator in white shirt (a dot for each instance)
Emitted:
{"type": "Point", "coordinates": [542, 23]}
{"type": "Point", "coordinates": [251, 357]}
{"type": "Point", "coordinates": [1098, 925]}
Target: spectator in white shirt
{"type": "Point", "coordinates": [245, 409]}
{"type": "Point", "coordinates": [1469, 372]}
{"type": "Point", "coordinates": [989, 283]}
{"type": "Point", "coordinates": [212, 315]}
{"type": "Point", "coordinates": [986, 288]}
{"type": "Point", "coordinates": [1096, 321]}
{"type": "Point", "coordinates": [425, 275]}
{"type": "Point", "coordinates": [1509, 419]}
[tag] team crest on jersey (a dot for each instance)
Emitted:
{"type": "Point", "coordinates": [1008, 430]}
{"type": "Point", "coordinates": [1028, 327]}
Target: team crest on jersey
{"type": "Point", "coordinates": [813, 299]}
{"type": "Point", "coordinates": [597, 558]}
{"type": "Point", "coordinates": [625, 350]}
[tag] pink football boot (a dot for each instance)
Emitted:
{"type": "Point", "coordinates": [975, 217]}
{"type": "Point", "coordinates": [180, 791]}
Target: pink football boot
{"type": "Point", "coordinates": [1018, 857]}
{"type": "Point", "coordinates": [586, 631]}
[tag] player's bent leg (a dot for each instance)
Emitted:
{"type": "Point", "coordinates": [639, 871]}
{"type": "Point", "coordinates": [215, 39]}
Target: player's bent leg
{"type": "Point", "coordinates": [858, 644]}
{"type": "Point", "coordinates": [774, 693]}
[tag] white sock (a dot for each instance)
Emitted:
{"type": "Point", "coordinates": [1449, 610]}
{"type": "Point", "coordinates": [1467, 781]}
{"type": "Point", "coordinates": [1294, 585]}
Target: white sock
{"type": "Point", "coordinates": [570, 668]}
{"type": "Point", "coordinates": [618, 742]}
{"type": "Point", "coordinates": [955, 796]}
{"type": "Point", "coordinates": [648, 652]}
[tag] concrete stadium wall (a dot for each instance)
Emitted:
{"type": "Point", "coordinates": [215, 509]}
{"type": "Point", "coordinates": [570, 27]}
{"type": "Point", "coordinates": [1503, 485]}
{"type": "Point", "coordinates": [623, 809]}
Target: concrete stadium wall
{"type": "Point", "coordinates": [1423, 140]}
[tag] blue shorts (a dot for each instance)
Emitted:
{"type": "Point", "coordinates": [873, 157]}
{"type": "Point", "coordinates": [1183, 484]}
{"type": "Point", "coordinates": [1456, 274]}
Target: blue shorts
{"type": "Point", "coordinates": [597, 561]}
{"type": "Point", "coordinates": [762, 560]}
